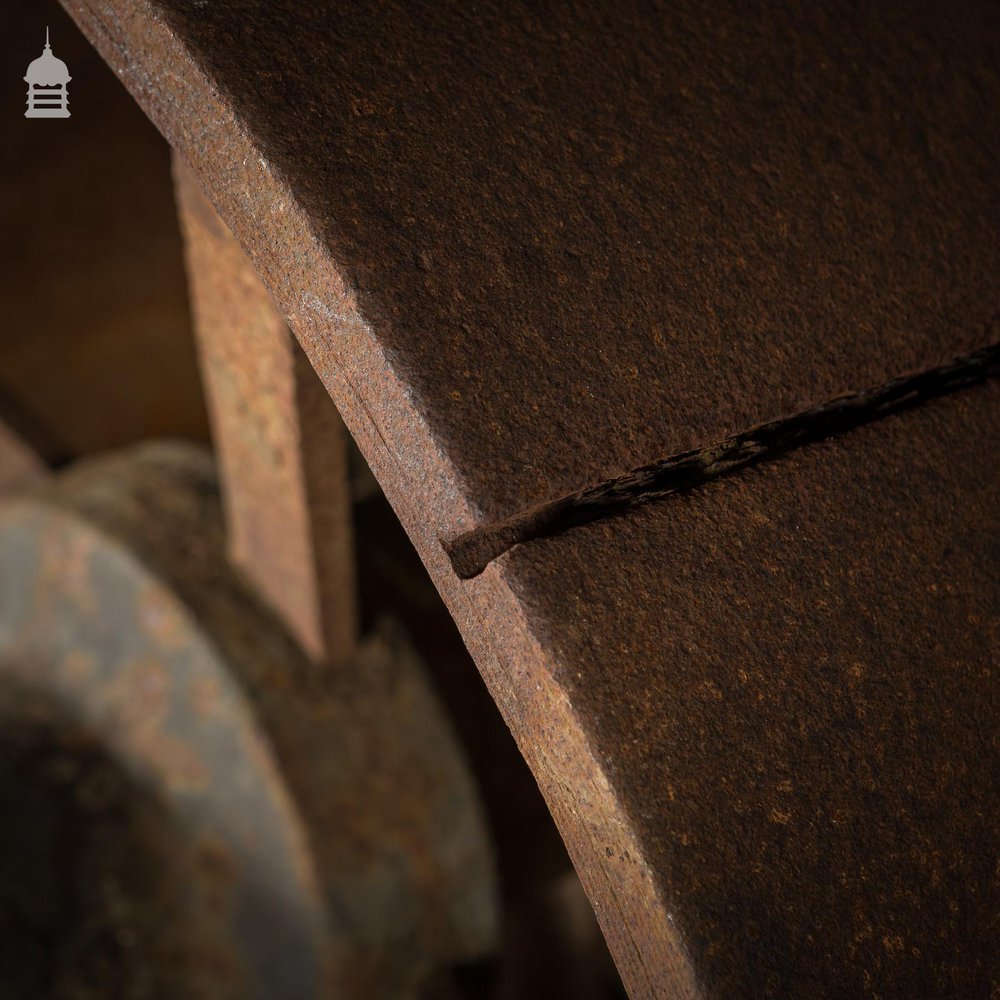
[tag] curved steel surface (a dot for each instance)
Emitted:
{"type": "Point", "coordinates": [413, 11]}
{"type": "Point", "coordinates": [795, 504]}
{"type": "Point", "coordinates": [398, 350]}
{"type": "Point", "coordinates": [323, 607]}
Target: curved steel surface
{"type": "Point", "coordinates": [530, 249]}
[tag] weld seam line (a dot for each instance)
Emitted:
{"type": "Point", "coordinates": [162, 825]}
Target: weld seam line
{"type": "Point", "coordinates": [470, 553]}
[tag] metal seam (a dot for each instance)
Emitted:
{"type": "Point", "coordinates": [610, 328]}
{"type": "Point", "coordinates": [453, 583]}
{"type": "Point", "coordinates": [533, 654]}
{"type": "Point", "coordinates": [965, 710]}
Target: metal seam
{"type": "Point", "coordinates": [470, 553]}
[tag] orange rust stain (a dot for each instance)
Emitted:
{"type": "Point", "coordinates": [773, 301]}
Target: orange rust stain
{"type": "Point", "coordinates": [205, 695]}
{"type": "Point", "coordinates": [140, 695]}
{"type": "Point", "coordinates": [78, 667]}
{"type": "Point", "coordinates": [161, 618]}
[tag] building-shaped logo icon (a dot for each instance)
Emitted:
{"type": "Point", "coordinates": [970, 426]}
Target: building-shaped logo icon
{"type": "Point", "coordinates": [47, 78]}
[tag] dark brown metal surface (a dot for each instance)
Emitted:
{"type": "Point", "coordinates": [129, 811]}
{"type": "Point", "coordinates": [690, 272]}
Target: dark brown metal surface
{"type": "Point", "coordinates": [527, 251]}
{"type": "Point", "coordinates": [791, 675]}
{"type": "Point", "coordinates": [720, 217]}
{"type": "Point", "coordinates": [280, 833]}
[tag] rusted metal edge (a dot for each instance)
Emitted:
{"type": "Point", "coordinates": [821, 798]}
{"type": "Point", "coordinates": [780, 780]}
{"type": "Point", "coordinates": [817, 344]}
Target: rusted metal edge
{"type": "Point", "coordinates": [473, 551]}
{"type": "Point", "coordinates": [281, 443]}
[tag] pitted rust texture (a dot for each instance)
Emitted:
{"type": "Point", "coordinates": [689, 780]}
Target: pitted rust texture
{"type": "Point", "coordinates": [282, 446]}
{"type": "Point", "coordinates": [792, 676]}
{"type": "Point", "coordinates": [530, 250]}
{"type": "Point", "coordinates": [321, 835]}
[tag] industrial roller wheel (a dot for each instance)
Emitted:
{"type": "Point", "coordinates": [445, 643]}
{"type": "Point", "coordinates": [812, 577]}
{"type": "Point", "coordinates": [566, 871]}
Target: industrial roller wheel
{"type": "Point", "coordinates": [192, 808]}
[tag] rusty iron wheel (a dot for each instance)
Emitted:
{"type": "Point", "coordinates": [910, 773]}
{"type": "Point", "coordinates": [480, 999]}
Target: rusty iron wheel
{"type": "Point", "coordinates": [208, 813]}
